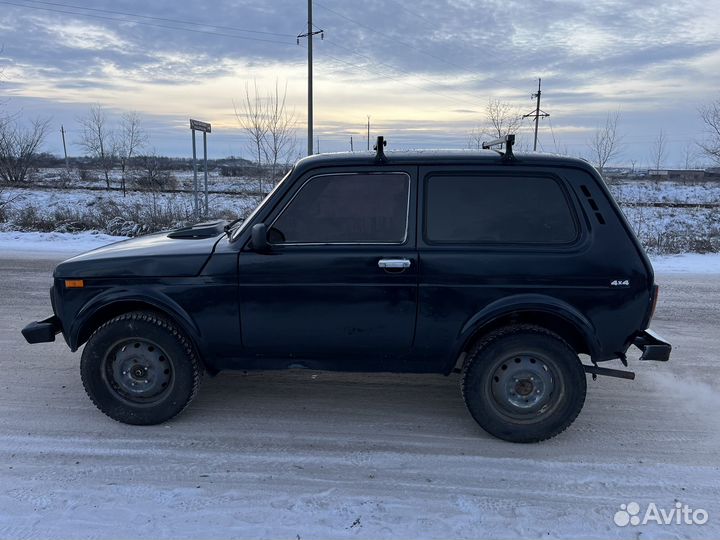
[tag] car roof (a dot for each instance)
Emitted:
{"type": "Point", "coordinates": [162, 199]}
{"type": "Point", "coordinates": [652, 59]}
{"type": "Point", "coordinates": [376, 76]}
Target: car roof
{"type": "Point", "coordinates": [437, 157]}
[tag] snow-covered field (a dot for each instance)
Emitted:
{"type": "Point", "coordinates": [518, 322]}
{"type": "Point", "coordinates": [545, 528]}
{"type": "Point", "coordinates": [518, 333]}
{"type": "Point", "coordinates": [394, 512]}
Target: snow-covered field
{"type": "Point", "coordinates": [38, 243]}
{"type": "Point", "coordinates": [77, 207]}
{"type": "Point", "coordinates": [305, 454]}
{"type": "Point", "coordinates": [644, 191]}
{"type": "Point", "coordinates": [687, 263]}
{"type": "Point", "coordinates": [49, 200]}
{"type": "Point", "coordinates": [55, 177]}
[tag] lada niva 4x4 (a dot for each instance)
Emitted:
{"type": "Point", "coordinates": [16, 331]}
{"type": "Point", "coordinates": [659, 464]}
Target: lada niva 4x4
{"type": "Point", "coordinates": [517, 271]}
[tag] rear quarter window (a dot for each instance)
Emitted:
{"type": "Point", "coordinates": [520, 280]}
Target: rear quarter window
{"type": "Point", "coordinates": [497, 210]}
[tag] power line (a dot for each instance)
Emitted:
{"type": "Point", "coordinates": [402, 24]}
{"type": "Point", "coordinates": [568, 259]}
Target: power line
{"type": "Point", "coordinates": [409, 45]}
{"type": "Point", "coordinates": [412, 12]}
{"type": "Point", "coordinates": [153, 18]}
{"type": "Point", "coordinates": [115, 19]}
{"type": "Point", "coordinates": [397, 70]}
{"type": "Point", "coordinates": [380, 74]}
{"type": "Point", "coordinates": [376, 31]}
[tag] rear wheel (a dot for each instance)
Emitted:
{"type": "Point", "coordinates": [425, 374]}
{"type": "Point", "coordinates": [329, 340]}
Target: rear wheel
{"type": "Point", "coordinates": [139, 368]}
{"type": "Point", "coordinates": [524, 384]}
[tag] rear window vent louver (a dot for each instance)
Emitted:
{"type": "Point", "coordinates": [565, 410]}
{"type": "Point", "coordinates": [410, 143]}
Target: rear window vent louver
{"type": "Point", "coordinates": [593, 205]}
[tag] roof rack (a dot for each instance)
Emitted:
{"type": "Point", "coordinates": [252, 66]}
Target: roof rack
{"type": "Point", "coordinates": [507, 140]}
{"type": "Point", "coordinates": [379, 149]}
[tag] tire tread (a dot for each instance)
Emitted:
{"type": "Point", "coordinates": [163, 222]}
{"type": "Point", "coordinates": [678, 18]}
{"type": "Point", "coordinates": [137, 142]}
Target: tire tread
{"type": "Point", "coordinates": [177, 334]}
{"type": "Point", "coordinates": [507, 331]}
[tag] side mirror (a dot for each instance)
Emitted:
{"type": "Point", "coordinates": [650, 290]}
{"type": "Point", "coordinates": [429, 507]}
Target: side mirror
{"type": "Point", "coordinates": [259, 237]}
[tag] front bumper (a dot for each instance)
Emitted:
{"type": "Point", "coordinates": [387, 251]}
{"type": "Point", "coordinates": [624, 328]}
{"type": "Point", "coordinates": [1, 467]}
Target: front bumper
{"type": "Point", "coordinates": [653, 346]}
{"type": "Point", "coordinates": [42, 331]}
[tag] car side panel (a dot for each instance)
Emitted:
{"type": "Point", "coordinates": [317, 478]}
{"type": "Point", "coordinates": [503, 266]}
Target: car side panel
{"type": "Point", "coordinates": [458, 282]}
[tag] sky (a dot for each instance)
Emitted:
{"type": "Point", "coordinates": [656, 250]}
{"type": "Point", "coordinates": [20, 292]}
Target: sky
{"type": "Point", "coordinates": [423, 70]}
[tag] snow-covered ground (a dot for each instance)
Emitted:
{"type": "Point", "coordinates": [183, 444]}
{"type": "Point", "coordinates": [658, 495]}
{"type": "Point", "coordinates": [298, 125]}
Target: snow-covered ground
{"type": "Point", "coordinates": [53, 242]}
{"type": "Point", "coordinates": [687, 263]}
{"type": "Point", "coordinates": [74, 207]}
{"type": "Point", "coordinates": [48, 201]}
{"type": "Point", "coordinates": [305, 454]}
{"type": "Point", "coordinates": [645, 191]}
{"type": "Point", "coordinates": [54, 177]}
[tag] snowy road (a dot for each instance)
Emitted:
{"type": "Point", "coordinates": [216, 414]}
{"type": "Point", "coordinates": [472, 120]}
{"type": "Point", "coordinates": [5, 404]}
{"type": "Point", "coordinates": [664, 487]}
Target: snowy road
{"type": "Point", "coordinates": [308, 454]}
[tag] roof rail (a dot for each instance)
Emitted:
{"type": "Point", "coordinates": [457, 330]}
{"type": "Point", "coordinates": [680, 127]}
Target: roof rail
{"type": "Point", "coordinates": [507, 140]}
{"type": "Point", "coordinates": [379, 149]}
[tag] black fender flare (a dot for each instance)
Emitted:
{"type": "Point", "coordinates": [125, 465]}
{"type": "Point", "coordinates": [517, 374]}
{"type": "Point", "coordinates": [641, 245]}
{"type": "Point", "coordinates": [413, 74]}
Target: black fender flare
{"type": "Point", "coordinates": [117, 297]}
{"type": "Point", "coordinates": [525, 303]}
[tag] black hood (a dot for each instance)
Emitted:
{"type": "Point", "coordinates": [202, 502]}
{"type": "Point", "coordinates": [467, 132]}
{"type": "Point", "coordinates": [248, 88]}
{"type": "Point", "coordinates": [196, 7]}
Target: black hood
{"type": "Point", "coordinates": [179, 253]}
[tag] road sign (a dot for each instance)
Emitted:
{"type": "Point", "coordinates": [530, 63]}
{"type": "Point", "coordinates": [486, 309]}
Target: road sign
{"type": "Point", "coordinates": [200, 126]}
{"type": "Point", "coordinates": [197, 125]}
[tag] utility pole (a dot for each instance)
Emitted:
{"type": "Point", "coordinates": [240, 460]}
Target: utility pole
{"type": "Point", "coordinates": [351, 144]}
{"type": "Point", "coordinates": [537, 114]}
{"type": "Point", "coordinates": [62, 131]}
{"type": "Point", "coordinates": [368, 133]}
{"type": "Point", "coordinates": [309, 35]}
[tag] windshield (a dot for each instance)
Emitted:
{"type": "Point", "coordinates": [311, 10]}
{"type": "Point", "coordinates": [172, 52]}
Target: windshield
{"type": "Point", "coordinates": [249, 219]}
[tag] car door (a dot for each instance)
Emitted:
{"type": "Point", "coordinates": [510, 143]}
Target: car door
{"type": "Point", "coordinates": [340, 277]}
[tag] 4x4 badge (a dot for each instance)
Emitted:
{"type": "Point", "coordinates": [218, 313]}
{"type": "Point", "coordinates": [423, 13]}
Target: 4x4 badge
{"type": "Point", "coordinates": [620, 283]}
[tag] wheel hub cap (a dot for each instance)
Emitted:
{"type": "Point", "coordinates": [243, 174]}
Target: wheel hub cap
{"type": "Point", "coordinates": [139, 369]}
{"type": "Point", "coordinates": [522, 385]}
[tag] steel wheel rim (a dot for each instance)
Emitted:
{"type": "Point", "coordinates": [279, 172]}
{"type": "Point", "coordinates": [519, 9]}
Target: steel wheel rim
{"type": "Point", "coordinates": [138, 370]}
{"type": "Point", "coordinates": [524, 387]}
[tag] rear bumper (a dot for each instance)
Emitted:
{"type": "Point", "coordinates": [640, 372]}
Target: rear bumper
{"type": "Point", "coordinates": [653, 346]}
{"type": "Point", "coordinates": [42, 331]}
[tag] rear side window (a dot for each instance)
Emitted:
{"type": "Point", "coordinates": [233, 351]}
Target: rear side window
{"type": "Point", "coordinates": [512, 210]}
{"type": "Point", "coordinates": [346, 208]}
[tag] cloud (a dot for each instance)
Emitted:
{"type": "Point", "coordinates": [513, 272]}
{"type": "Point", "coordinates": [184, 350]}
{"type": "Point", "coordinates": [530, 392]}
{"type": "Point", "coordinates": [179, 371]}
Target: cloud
{"type": "Point", "coordinates": [423, 70]}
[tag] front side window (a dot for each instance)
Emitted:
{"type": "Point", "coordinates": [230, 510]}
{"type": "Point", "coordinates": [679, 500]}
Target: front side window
{"type": "Point", "coordinates": [497, 210]}
{"type": "Point", "coordinates": [346, 208]}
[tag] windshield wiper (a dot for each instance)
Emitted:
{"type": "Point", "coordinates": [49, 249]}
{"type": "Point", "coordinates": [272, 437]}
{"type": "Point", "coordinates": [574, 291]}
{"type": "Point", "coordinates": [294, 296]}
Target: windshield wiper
{"type": "Point", "coordinates": [230, 225]}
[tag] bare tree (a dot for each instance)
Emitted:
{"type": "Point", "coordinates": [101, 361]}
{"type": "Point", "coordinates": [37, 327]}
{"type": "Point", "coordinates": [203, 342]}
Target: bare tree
{"type": "Point", "coordinates": [270, 127]}
{"type": "Point", "coordinates": [18, 148]}
{"type": "Point", "coordinates": [98, 140]}
{"type": "Point", "coordinates": [501, 118]}
{"type": "Point", "coordinates": [152, 175]}
{"type": "Point", "coordinates": [710, 115]}
{"type": "Point", "coordinates": [659, 150]}
{"type": "Point", "coordinates": [279, 142]}
{"type": "Point", "coordinates": [605, 143]}
{"type": "Point", "coordinates": [252, 116]}
{"type": "Point", "coordinates": [131, 141]}
{"type": "Point", "coordinates": [690, 155]}
{"type": "Point", "coordinates": [475, 139]}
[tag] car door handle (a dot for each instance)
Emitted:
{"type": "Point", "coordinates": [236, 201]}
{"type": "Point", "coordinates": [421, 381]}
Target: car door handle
{"type": "Point", "coordinates": [394, 263]}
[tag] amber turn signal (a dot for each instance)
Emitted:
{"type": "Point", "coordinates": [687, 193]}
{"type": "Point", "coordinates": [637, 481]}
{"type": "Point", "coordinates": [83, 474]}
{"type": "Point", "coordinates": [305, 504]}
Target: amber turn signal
{"type": "Point", "coordinates": [74, 283]}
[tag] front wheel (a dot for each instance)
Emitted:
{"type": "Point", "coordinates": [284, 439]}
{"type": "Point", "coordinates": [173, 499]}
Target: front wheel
{"type": "Point", "coordinates": [524, 384]}
{"type": "Point", "coordinates": [139, 368]}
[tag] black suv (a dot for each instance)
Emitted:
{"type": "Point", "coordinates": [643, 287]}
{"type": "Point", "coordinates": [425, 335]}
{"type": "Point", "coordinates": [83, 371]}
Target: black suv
{"type": "Point", "coordinates": [502, 267]}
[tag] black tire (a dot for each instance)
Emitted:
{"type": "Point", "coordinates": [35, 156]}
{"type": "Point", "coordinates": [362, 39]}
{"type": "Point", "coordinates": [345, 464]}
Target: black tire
{"type": "Point", "coordinates": [139, 368]}
{"type": "Point", "coordinates": [523, 384]}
